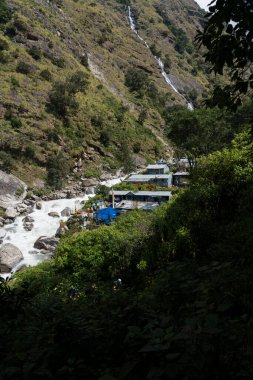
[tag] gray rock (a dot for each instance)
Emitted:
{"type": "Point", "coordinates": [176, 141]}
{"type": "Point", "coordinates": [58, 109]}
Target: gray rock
{"type": "Point", "coordinates": [11, 213]}
{"type": "Point", "coordinates": [12, 190]}
{"type": "Point", "coordinates": [61, 230]}
{"type": "Point", "coordinates": [38, 206]}
{"type": "Point", "coordinates": [89, 182]}
{"type": "Point", "coordinates": [28, 219]}
{"type": "Point", "coordinates": [46, 243]}
{"type": "Point", "coordinates": [105, 176]}
{"type": "Point", "coordinates": [9, 221]}
{"type": "Point", "coordinates": [10, 256]}
{"type": "Point", "coordinates": [28, 226]}
{"type": "Point", "coordinates": [66, 211]}
{"type": "Point", "coordinates": [53, 214]}
{"type": "Point", "coordinates": [2, 235]}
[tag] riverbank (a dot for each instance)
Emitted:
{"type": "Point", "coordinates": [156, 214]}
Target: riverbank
{"type": "Point", "coordinates": [43, 224]}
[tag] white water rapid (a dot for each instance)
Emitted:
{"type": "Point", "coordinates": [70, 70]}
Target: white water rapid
{"type": "Point", "coordinates": [158, 60]}
{"type": "Point", "coordinates": [44, 225]}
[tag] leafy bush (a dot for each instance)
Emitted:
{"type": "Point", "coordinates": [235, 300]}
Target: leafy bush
{"type": "Point", "coordinates": [35, 52]}
{"type": "Point", "coordinates": [6, 162]}
{"type": "Point", "coordinates": [23, 68]}
{"type": "Point", "coordinates": [16, 122]}
{"type": "Point", "coordinates": [62, 96]}
{"type": "Point", "coordinates": [57, 170]}
{"type": "Point", "coordinates": [136, 80]}
{"type": "Point", "coordinates": [4, 57]}
{"type": "Point", "coordinates": [46, 74]}
{"type": "Point", "coordinates": [5, 12]}
{"type": "Point", "coordinates": [3, 44]}
{"type": "Point", "coordinates": [104, 138]}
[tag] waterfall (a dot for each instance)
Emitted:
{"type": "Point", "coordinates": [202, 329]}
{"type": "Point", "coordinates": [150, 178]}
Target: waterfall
{"type": "Point", "coordinates": [158, 60]}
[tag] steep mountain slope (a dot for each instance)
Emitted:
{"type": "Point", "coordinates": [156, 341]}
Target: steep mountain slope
{"type": "Point", "coordinates": [49, 48]}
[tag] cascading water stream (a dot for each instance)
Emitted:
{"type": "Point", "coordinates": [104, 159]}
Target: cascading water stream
{"type": "Point", "coordinates": [158, 60]}
{"type": "Point", "coordinates": [44, 225]}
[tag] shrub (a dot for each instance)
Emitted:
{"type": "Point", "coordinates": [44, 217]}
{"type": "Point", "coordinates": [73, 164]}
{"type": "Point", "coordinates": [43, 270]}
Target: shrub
{"type": "Point", "coordinates": [104, 138]}
{"type": "Point", "coordinates": [46, 74]}
{"type": "Point", "coordinates": [155, 51]}
{"type": "Point", "coordinates": [62, 95]}
{"type": "Point", "coordinates": [10, 31]}
{"type": "Point", "coordinates": [136, 80]}
{"type": "Point", "coordinates": [14, 82]}
{"type": "Point", "coordinates": [57, 170]}
{"type": "Point", "coordinates": [4, 57]}
{"type": "Point", "coordinates": [137, 147]}
{"type": "Point", "coordinates": [35, 52]}
{"type": "Point", "coordinates": [16, 122]}
{"type": "Point", "coordinates": [29, 151]}
{"type": "Point", "coordinates": [3, 45]}
{"type": "Point", "coordinates": [23, 68]}
{"type": "Point", "coordinates": [5, 12]}
{"type": "Point", "coordinates": [60, 62]}
{"type": "Point", "coordinates": [6, 162]}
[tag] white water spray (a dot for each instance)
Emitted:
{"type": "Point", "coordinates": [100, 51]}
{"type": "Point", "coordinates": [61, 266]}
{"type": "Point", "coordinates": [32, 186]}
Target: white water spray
{"type": "Point", "coordinates": [158, 60]}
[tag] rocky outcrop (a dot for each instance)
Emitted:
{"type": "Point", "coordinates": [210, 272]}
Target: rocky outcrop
{"type": "Point", "coordinates": [12, 190]}
{"type": "Point", "coordinates": [10, 256]}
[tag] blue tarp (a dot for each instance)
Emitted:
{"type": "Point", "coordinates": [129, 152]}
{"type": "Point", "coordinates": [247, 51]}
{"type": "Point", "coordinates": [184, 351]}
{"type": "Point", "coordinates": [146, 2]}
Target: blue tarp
{"type": "Point", "coordinates": [107, 214]}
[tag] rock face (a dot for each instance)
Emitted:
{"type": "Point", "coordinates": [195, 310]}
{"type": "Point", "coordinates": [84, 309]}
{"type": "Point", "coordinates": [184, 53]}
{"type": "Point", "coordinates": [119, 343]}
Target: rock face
{"type": "Point", "coordinates": [46, 243]}
{"type": "Point", "coordinates": [12, 190]}
{"type": "Point", "coordinates": [10, 256]}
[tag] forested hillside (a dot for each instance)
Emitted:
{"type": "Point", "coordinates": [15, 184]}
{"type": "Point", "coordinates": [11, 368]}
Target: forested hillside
{"type": "Point", "coordinates": [67, 69]}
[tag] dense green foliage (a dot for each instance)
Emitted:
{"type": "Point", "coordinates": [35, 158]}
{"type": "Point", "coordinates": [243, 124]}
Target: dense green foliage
{"type": "Point", "coordinates": [183, 307]}
{"type": "Point", "coordinates": [228, 36]}
{"type": "Point", "coordinates": [57, 170]}
{"type": "Point", "coordinates": [205, 130]}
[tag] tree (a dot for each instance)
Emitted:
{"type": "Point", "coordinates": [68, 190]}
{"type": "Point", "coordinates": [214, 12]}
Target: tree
{"type": "Point", "coordinates": [228, 36]}
{"type": "Point", "coordinates": [57, 170]}
{"type": "Point", "coordinates": [136, 80]}
{"type": "Point", "coordinates": [200, 132]}
{"type": "Point", "coordinates": [62, 96]}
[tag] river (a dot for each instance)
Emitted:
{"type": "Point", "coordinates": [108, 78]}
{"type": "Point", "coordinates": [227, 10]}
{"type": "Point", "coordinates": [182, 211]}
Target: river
{"type": "Point", "coordinates": [44, 225]}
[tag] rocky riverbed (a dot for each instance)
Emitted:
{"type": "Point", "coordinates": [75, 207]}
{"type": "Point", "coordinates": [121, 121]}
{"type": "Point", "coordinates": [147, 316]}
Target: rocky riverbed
{"type": "Point", "coordinates": [30, 227]}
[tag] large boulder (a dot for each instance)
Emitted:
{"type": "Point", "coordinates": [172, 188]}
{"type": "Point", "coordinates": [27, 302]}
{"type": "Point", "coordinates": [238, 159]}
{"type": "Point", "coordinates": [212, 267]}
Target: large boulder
{"type": "Point", "coordinates": [10, 256]}
{"type": "Point", "coordinates": [12, 190]}
{"type": "Point", "coordinates": [46, 243]}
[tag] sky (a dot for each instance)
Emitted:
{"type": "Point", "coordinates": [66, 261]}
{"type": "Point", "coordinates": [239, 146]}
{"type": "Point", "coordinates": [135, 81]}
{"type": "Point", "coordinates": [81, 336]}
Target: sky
{"type": "Point", "coordinates": [203, 3]}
